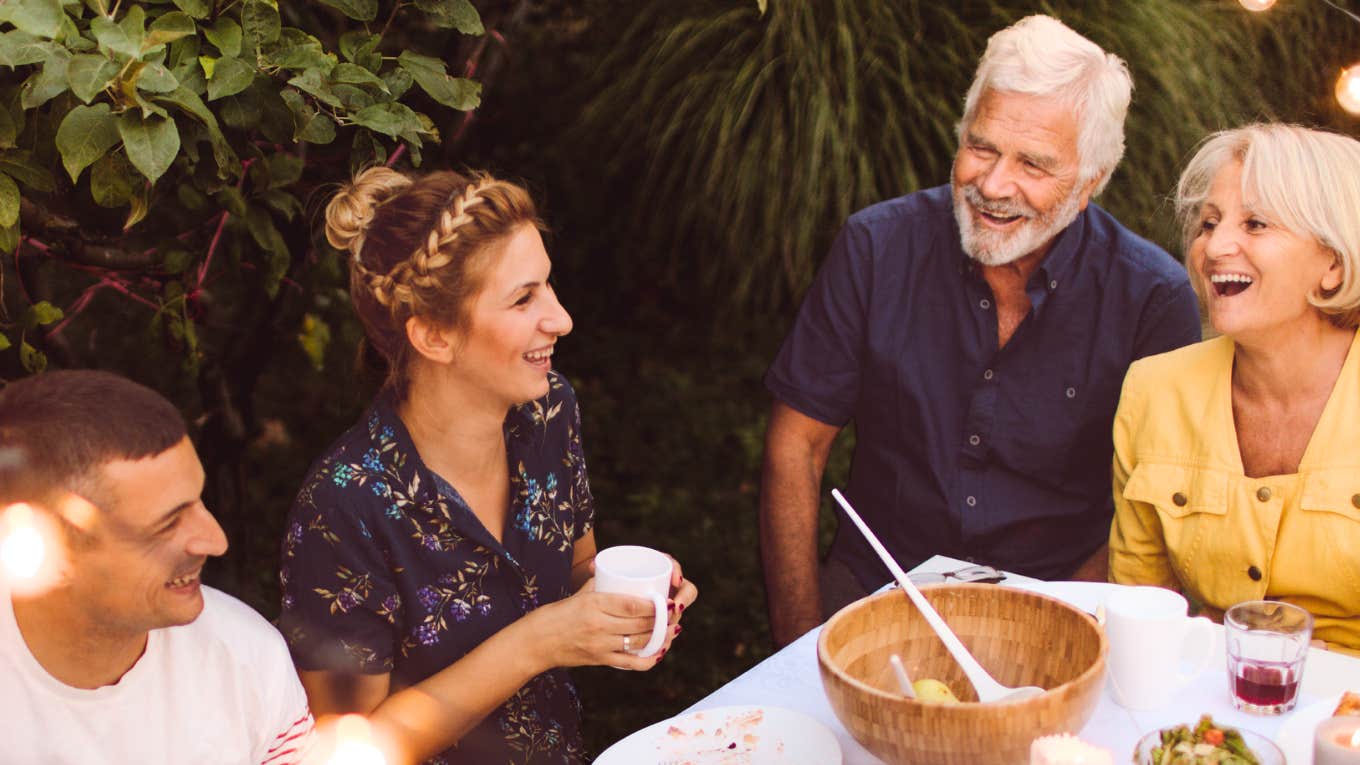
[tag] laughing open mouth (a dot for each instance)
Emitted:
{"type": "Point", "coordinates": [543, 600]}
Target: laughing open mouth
{"type": "Point", "coordinates": [1227, 285]}
{"type": "Point", "coordinates": [999, 220]}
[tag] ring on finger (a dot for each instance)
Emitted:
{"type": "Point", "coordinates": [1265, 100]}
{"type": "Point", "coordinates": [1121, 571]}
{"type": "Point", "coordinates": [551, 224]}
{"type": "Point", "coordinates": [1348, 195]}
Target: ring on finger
{"type": "Point", "coordinates": [627, 643]}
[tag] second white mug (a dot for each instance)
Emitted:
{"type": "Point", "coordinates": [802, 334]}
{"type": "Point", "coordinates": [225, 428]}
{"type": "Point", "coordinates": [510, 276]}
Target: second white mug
{"type": "Point", "coordinates": [1151, 642]}
{"type": "Point", "coordinates": [639, 571]}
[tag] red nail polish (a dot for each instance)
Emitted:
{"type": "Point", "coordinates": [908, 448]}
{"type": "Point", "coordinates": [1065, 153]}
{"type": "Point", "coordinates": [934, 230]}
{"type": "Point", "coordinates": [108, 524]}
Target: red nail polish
{"type": "Point", "coordinates": [677, 629]}
{"type": "Point", "coordinates": [680, 606]}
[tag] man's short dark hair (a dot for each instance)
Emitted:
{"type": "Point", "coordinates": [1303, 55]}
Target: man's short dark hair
{"type": "Point", "coordinates": [61, 427]}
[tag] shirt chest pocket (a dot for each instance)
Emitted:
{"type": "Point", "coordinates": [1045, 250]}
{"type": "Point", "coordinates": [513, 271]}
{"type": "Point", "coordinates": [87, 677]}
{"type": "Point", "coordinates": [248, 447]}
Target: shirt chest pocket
{"type": "Point", "coordinates": [1192, 505]}
{"type": "Point", "coordinates": [1330, 507]}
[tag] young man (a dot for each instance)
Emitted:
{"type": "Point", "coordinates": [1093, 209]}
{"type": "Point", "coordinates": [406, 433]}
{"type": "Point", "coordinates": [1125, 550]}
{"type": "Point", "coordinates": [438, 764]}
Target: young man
{"type": "Point", "coordinates": [977, 334]}
{"type": "Point", "coordinates": [115, 652]}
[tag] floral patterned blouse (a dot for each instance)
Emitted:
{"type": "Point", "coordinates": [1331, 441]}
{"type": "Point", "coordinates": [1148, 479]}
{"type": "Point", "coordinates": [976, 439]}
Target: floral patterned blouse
{"type": "Point", "coordinates": [386, 570]}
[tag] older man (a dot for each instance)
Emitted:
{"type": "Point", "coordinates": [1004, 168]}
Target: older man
{"type": "Point", "coordinates": [976, 334]}
{"type": "Point", "coordinates": [112, 651]}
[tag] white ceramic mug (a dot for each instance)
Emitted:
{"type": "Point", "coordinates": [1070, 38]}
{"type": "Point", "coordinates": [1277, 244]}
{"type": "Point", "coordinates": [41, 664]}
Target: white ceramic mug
{"type": "Point", "coordinates": [639, 571]}
{"type": "Point", "coordinates": [1151, 643]}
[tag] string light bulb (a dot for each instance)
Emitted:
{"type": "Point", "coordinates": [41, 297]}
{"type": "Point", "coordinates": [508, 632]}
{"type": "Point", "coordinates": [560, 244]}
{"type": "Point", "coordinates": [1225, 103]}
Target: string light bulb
{"type": "Point", "coordinates": [354, 743]}
{"type": "Point", "coordinates": [1256, 5]}
{"type": "Point", "coordinates": [1348, 89]}
{"type": "Point", "coordinates": [22, 548]}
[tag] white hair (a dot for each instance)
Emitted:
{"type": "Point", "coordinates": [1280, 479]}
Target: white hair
{"type": "Point", "coordinates": [1041, 56]}
{"type": "Point", "coordinates": [1307, 181]}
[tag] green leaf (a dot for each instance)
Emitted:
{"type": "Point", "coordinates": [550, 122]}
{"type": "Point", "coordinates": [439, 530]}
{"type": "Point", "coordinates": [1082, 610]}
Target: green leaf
{"type": "Point", "coordinates": [309, 125]}
{"type": "Point", "coordinates": [398, 81]}
{"type": "Point", "coordinates": [123, 39]}
{"type": "Point", "coordinates": [190, 102]}
{"type": "Point", "coordinates": [4, 339]}
{"type": "Point", "coordinates": [111, 181]}
{"type": "Point", "coordinates": [313, 339]}
{"type": "Point", "coordinates": [9, 201]}
{"type": "Point", "coordinates": [314, 83]}
{"type": "Point", "coordinates": [232, 200]}
{"type": "Point", "coordinates": [284, 170]}
{"type": "Point", "coordinates": [48, 83]}
{"type": "Point", "coordinates": [22, 167]}
{"type": "Point", "coordinates": [9, 241]}
{"type": "Point", "coordinates": [454, 14]}
{"type": "Point", "coordinates": [18, 48]}
{"type": "Point", "coordinates": [170, 27]}
{"type": "Point", "coordinates": [356, 44]}
{"type": "Point", "coordinates": [192, 199]}
{"type": "Point", "coordinates": [88, 74]}
{"type": "Point", "coordinates": [151, 143]}
{"type": "Point", "coordinates": [86, 134]}
{"type": "Point", "coordinates": [226, 35]}
{"type": "Point", "coordinates": [267, 236]}
{"type": "Point", "coordinates": [305, 55]}
{"type": "Point", "coordinates": [199, 9]}
{"type": "Point", "coordinates": [282, 203]}
{"type": "Point", "coordinates": [155, 78]}
{"type": "Point", "coordinates": [390, 119]}
{"type": "Point", "coordinates": [229, 76]}
{"type": "Point", "coordinates": [37, 17]}
{"type": "Point", "coordinates": [33, 359]}
{"type": "Point", "coordinates": [177, 261]}
{"type": "Point", "coordinates": [40, 314]}
{"type": "Point", "coordinates": [353, 74]}
{"type": "Point", "coordinates": [260, 24]}
{"type": "Point", "coordinates": [359, 10]}
{"type": "Point", "coordinates": [429, 74]}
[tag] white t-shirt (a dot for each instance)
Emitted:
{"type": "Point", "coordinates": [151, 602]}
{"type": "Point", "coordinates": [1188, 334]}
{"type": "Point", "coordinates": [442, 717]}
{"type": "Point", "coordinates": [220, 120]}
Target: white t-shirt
{"type": "Point", "coordinates": [221, 689]}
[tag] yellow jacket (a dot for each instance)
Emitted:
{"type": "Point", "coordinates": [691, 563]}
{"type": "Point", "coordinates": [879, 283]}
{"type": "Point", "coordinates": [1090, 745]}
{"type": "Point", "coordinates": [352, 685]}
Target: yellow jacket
{"type": "Point", "coordinates": [1186, 516]}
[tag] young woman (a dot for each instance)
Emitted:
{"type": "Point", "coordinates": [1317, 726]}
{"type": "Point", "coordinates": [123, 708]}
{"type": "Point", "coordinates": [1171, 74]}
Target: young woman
{"type": "Point", "coordinates": [1235, 469]}
{"type": "Point", "coordinates": [437, 561]}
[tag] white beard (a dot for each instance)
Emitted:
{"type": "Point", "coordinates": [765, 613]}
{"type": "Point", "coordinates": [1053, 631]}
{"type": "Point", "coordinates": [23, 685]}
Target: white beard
{"type": "Point", "coordinates": [994, 248]}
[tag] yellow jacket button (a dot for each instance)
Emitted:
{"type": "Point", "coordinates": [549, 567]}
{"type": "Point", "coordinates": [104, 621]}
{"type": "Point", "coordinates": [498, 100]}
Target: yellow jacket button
{"type": "Point", "coordinates": [1263, 493]}
{"type": "Point", "coordinates": [1254, 573]}
{"type": "Point", "coordinates": [1179, 499]}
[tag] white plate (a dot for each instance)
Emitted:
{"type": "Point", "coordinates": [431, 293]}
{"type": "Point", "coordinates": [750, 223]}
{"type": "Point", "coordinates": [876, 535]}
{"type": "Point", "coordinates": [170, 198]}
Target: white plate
{"type": "Point", "coordinates": [1296, 733]}
{"type": "Point", "coordinates": [1084, 595]}
{"type": "Point", "coordinates": [745, 735]}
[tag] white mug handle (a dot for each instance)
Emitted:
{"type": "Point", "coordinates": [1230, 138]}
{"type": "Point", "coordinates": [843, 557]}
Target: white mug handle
{"type": "Point", "coordinates": [658, 628]}
{"type": "Point", "coordinates": [1199, 633]}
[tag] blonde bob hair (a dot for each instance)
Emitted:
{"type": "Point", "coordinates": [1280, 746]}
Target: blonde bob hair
{"type": "Point", "coordinates": [1306, 180]}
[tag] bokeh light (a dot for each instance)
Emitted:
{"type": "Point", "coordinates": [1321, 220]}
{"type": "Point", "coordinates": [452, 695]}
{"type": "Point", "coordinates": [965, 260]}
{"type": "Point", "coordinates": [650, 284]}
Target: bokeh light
{"type": "Point", "coordinates": [1256, 5]}
{"type": "Point", "coordinates": [354, 743]}
{"type": "Point", "coordinates": [1348, 89]}
{"type": "Point", "coordinates": [22, 547]}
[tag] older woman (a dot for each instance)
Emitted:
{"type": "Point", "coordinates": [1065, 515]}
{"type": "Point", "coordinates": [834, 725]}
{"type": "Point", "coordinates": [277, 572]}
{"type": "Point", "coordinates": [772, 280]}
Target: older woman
{"type": "Point", "coordinates": [1237, 460]}
{"type": "Point", "coordinates": [433, 552]}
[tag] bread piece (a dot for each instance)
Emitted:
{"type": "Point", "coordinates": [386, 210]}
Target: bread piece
{"type": "Point", "coordinates": [1348, 706]}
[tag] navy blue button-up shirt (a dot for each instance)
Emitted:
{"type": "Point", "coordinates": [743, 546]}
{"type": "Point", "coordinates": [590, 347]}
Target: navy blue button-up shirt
{"type": "Point", "coordinates": [999, 455]}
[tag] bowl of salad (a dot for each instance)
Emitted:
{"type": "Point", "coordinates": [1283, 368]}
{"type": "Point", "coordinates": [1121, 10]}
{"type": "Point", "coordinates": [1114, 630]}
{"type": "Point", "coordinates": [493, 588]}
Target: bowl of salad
{"type": "Point", "coordinates": [1206, 743]}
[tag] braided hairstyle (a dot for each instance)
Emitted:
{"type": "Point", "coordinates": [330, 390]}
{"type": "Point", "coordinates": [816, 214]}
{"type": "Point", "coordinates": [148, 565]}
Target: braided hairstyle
{"type": "Point", "coordinates": [417, 246]}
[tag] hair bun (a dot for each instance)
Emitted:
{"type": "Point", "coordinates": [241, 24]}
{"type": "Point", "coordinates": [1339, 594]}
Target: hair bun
{"type": "Point", "coordinates": [350, 211]}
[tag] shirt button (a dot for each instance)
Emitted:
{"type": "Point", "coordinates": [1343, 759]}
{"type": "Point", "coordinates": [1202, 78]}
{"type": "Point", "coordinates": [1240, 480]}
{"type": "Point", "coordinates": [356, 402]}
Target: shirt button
{"type": "Point", "coordinates": [1263, 494]}
{"type": "Point", "coordinates": [974, 440]}
{"type": "Point", "coordinates": [1178, 499]}
{"type": "Point", "coordinates": [1053, 285]}
{"type": "Point", "coordinates": [972, 501]}
{"type": "Point", "coordinates": [1071, 392]}
{"type": "Point", "coordinates": [1254, 573]}
{"type": "Point", "coordinates": [988, 375]}
{"type": "Point", "coordinates": [985, 303]}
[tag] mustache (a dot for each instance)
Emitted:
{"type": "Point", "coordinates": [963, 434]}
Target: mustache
{"type": "Point", "coordinates": [1001, 208]}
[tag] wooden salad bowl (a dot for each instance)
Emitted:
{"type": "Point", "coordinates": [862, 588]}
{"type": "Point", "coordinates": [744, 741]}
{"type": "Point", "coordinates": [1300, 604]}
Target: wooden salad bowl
{"type": "Point", "coordinates": [1022, 638]}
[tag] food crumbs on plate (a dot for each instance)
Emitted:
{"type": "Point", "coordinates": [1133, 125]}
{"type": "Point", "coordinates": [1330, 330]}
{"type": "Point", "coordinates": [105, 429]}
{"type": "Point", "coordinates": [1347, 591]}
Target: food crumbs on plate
{"type": "Point", "coordinates": [732, 742]}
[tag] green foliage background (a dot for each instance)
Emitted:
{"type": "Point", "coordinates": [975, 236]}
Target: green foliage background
{"type": "Point", "coordinates": [694, 160]}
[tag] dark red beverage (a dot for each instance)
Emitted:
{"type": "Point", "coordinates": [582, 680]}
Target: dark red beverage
{"type": "Point", "coordinates": [1265, 684]}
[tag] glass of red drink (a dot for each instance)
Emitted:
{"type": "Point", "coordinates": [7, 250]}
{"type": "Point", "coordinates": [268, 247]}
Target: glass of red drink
{"type": "Point", "coordinates": [1267, 645]}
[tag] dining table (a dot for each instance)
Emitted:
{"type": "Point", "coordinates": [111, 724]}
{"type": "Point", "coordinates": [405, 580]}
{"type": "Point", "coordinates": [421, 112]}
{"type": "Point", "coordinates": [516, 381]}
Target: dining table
{"type": "Point", "coordinates": [790, 679]}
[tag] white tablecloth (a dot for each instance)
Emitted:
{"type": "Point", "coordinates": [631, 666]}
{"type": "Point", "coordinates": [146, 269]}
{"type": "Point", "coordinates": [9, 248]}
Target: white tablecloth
{"type": "Point", "coordinates": [790, 679]}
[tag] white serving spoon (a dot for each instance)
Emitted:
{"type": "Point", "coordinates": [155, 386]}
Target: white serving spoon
{"type": "Point", "coordinates": [988, 689]}
{"type": "Point", "coordinates": [903, 681]}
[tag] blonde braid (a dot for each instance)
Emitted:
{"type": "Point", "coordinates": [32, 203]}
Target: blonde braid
{"type": "Point", "coordinates": [424, 262]}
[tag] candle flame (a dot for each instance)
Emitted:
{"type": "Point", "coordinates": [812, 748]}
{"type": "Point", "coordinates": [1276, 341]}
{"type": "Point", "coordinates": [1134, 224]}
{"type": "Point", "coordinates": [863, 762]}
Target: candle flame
{"type": "Point", "coordinates": [22, 547]}
{"type": "Point", "coordinates": [354, 743]}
